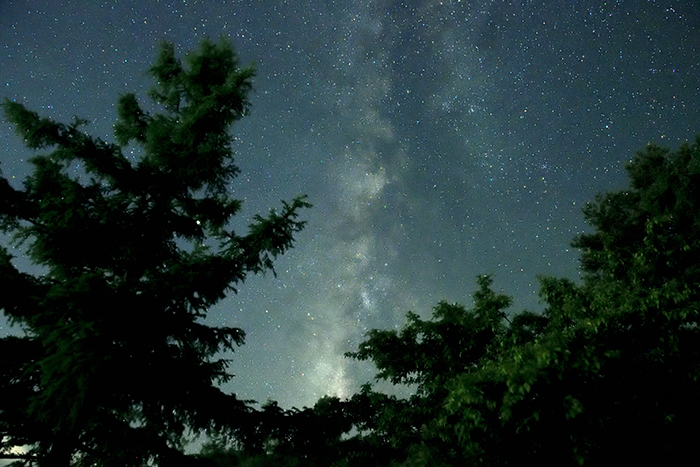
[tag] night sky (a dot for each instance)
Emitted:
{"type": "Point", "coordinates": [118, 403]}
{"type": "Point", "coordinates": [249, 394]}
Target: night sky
{"type": "Point", "coordinates": [437, 140]}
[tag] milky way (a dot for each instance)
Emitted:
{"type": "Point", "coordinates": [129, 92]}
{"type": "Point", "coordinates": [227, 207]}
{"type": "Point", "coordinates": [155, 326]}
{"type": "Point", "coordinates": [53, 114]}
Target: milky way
{"type": "Point", "coordinates": [437, 140]}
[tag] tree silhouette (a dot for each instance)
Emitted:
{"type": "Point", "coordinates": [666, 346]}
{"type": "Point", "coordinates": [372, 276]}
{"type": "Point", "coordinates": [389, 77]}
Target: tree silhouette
{"type": "Point", "coordinates": [607, 373]}
{"type": "Point", "coordinates": [612, 375]}
{"type": "Point", "coordinates": [116, 362]}
{"type": "Point", "coordinates": [427, 354]}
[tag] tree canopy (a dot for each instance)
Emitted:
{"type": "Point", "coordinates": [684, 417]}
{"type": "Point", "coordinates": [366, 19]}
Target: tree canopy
{"type": "Point", "coordinates": [607, 373]}
{"type": "Point", "coordinates": [116, 364]}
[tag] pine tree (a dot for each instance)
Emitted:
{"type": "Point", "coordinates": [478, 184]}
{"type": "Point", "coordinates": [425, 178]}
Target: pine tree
{"type": "Point", "coordinates": [117, 362]}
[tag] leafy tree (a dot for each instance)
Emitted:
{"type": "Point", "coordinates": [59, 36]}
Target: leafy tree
{"type": "Point", "coordinates": [459, 337]}
{"type": "Point", "coordinates": [275, 436]}
{"type": "Point", "coordinates": [606, 374]}
{"type": "Point", "coordinates": [613, 376]}
{"type": "Point", "coordinates": [426, 354]}
{"type": "Point", "coordinates": [116, 363]}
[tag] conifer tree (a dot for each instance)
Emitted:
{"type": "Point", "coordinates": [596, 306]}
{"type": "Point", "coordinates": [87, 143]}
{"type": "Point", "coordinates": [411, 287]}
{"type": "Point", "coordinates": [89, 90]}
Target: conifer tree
{"type": "Point", "coordinates": [117, 362]}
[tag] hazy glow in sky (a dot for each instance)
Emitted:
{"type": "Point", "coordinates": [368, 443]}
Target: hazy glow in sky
{"type": "Point", "coordinates": [437, 140]}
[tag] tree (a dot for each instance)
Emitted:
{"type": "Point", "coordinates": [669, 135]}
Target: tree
{"type": "Point", "coordinates": [274, 436]}
{"type": "Point", "coordinates": [426, 354]}
{"type": "Point", "coordinates": [116, 362]}
{"type": "Point", "coordinates": [606, 374]}
{"type": "Point", "coordinates": [613, 376]}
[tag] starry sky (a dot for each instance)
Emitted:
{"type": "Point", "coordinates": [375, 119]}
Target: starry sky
{"type": "Point", "coordinates": [437, 140]}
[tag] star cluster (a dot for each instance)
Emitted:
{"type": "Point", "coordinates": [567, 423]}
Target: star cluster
{"type": "Point", "coordinates": [437, 140]}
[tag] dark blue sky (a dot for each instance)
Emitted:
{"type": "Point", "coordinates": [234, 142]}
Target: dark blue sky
{"type": "Point", "coordinates": [437, 140]}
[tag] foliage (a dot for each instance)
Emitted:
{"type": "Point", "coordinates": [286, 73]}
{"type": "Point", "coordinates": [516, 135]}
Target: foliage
{"type": "Point", "coordinates": [374, 428]}
{"type": "Point", "coordinates": [274, 436]}
{"type": "Point", "coordinates": [614, 374]}
{"type": "Point", "coordinates": [116, 364]}
{"type": "Point", "coordinates": [459, 337]}
{"type": "Point", "coordinates": [607, 373]}
{"type": "Point", "coordinates": [427, 354]}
